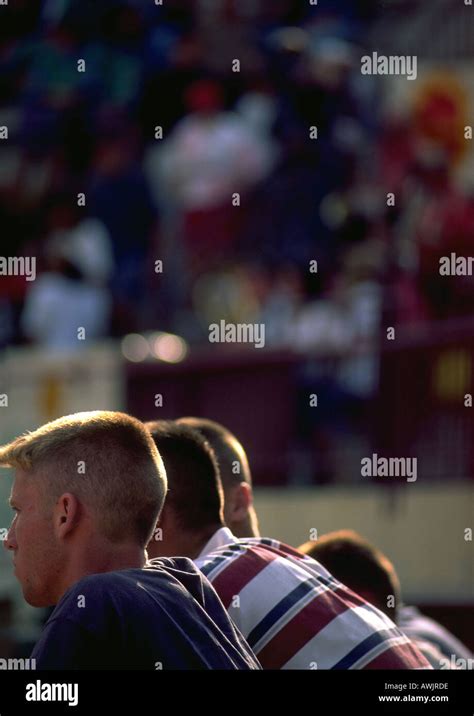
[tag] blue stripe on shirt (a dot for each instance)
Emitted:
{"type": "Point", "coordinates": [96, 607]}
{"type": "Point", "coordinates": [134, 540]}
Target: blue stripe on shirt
{"type": "Point", "coordinates": [366, 646]}
{"type": "Point", "coordinates": [280, 609]}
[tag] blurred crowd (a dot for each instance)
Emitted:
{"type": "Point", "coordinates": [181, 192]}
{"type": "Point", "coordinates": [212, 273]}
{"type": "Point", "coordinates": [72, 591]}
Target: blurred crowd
{"type": "Point", "coordinates": [171, 165]}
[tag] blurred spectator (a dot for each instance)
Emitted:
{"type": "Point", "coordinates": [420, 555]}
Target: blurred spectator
{"type": "Point", "coordinates": [70, 295]}
{"type": "Point", "coordinates": [302, 197]}
{"type": "Point", "coordinates": [118, 195]}
{"type": "Point", "coordinates": [210, 155]}
{"type": "Point", "coordinates": [420, 156]}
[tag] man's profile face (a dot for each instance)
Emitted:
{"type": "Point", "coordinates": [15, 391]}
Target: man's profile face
{"type": "Point", "coordinates": [31, 539]}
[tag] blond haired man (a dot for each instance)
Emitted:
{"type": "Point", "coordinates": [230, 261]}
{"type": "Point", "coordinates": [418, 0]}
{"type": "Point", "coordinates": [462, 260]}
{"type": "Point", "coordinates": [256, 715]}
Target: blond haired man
{"type": "Point", "coordinates": [87, 493]}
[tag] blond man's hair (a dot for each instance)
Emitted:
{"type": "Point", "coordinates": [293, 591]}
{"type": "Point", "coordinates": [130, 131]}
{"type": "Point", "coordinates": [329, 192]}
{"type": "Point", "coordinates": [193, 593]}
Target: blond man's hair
{"type": "Point", "coordinates": [108, 460]}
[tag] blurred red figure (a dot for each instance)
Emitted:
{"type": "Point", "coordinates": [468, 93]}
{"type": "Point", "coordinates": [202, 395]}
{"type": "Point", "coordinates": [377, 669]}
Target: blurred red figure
{"type": "Point", "coordinates": [212, 156]}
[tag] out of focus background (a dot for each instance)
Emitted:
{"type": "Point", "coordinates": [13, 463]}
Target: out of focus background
{"type": "Point", "coordinates": [175, 165]}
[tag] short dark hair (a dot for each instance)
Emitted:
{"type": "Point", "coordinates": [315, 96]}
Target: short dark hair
{"type": "Point", "coordinates": [355, 562]}
{"type": "Point", "coordinates": [194, 487]}
{"type": "Point", "coordinates": [228, 450]}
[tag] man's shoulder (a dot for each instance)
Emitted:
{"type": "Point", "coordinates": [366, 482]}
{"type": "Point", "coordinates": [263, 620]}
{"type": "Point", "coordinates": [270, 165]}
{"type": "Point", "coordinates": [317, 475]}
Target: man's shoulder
{"type": "Point", "coordinates": [159, 569]}
{"type": "Point", "coordinates": [103, 582]}
{"type": "Point", "coordinates": [258, 549]}
{"type": "Point", "coordinates": [171, 564]}
{"type": "Point", "coordinates": [99, 591]}
{"type": "Point", "coordinates": [119, 583]}
{"type": "Point", "coordinates": [259, 545]}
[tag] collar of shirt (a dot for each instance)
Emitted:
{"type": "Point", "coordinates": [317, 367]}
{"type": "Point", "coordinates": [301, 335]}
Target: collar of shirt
{"type": "Point", "coordinates": [220, 538]}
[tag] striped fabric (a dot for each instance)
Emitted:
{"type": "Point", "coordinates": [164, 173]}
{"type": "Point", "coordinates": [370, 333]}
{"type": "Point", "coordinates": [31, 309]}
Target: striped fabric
{"type": "Point", "coordinates": [295, 615]}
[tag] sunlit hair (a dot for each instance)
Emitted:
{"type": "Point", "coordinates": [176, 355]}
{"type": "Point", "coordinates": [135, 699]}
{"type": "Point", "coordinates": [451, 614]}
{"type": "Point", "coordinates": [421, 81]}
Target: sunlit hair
{"type": "Point", "coordinates": [107, 459]}
{"type": "Point", "coordinates": [229, 452]}
{"type": "Point", "coordinates": [354, 561]}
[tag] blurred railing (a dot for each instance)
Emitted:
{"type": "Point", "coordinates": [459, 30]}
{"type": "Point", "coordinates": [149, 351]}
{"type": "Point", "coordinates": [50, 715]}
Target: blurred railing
{"type": "Point", "coordinates": [424, 404]}
{"type": "Point", "coordinates": [419, 405]}
{"type": "Point", "coordinates": [303, 418]}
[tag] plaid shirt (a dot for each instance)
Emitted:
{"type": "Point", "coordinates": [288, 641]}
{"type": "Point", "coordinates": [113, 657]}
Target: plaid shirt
{"type": "Point", "coordinates": [295, 615]}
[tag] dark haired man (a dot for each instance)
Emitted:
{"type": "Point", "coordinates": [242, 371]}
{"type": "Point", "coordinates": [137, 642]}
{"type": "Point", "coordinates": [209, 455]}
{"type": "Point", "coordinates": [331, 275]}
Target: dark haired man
{"type": "Point", "coordinates": [239, 512]}
{"type": "Point", "coordinates": [291, 610]}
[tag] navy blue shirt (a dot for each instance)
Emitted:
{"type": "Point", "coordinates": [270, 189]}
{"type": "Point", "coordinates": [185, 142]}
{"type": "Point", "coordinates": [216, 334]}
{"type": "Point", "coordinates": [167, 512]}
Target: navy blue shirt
{"type": "Point", "coordinates": [164, 616]}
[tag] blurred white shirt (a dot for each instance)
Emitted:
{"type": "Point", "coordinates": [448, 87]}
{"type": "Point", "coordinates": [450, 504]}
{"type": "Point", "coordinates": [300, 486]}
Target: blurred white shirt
{"type": "Point", "coordinates": [206, 160]}
{"type": "Point", "coordinates": [56, 307]}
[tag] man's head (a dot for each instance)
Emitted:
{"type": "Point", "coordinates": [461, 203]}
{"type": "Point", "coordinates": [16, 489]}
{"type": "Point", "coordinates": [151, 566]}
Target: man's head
{"type": "Point", "coordinates": [194, 503]}
{"type": "Point", "coordinates": [360, 566]}
{"type": "Point", "coordinates": [87, 492]}
{"type": "Point", "coordinates": [239, 512]}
